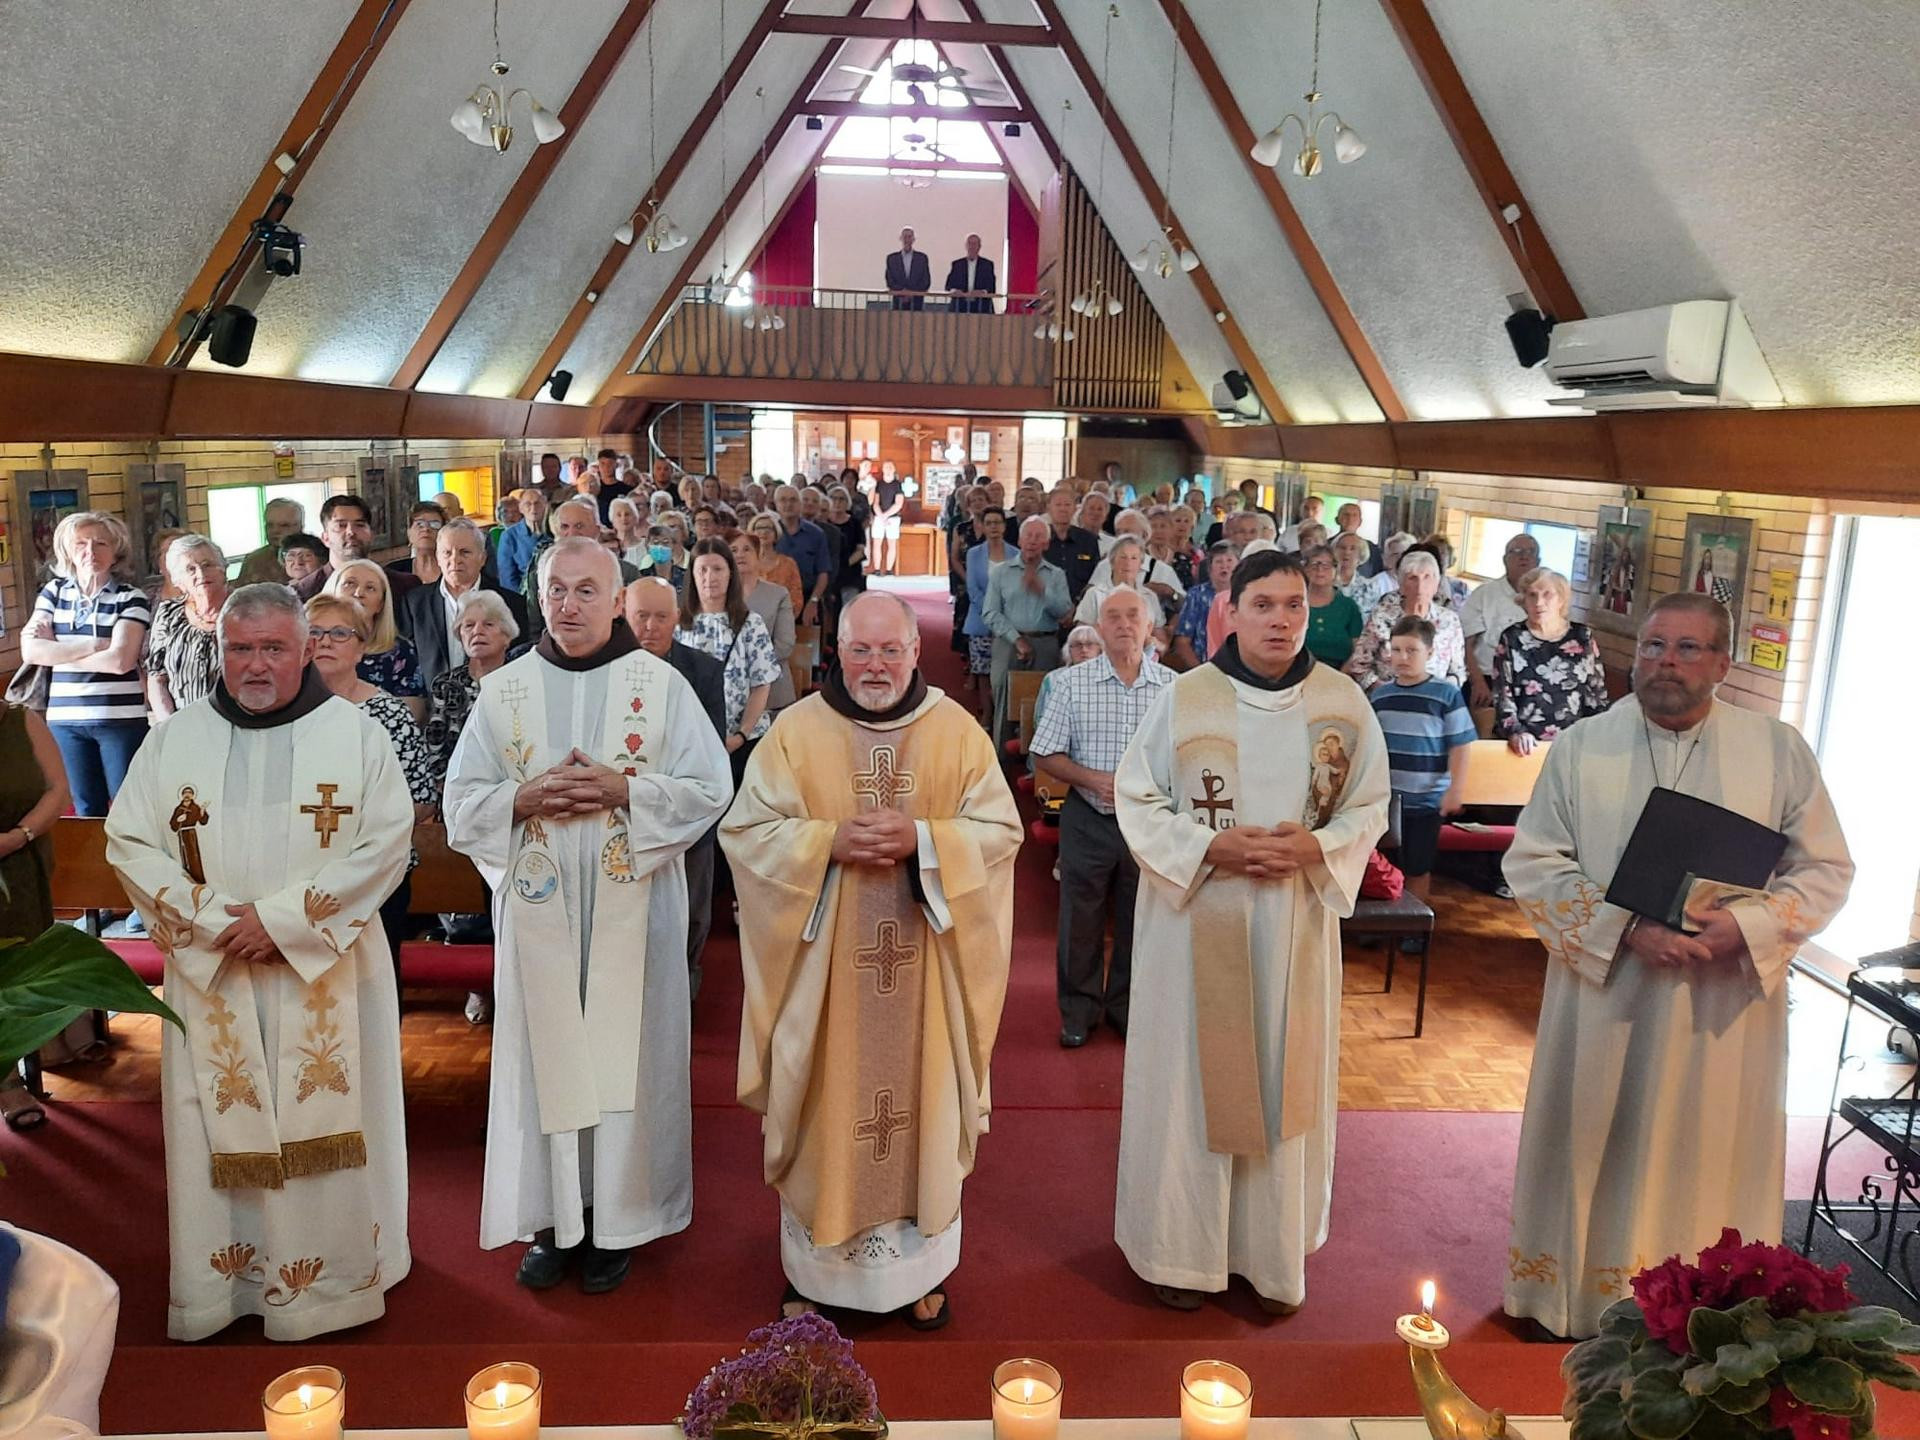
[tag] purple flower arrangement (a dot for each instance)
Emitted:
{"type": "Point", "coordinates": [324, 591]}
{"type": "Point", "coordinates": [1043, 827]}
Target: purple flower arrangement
{"type": "Point", "coordinates": [796, 1378]}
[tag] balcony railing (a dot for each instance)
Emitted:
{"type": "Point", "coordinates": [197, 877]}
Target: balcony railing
{"type": "Point", "coordinates": [806, 333]}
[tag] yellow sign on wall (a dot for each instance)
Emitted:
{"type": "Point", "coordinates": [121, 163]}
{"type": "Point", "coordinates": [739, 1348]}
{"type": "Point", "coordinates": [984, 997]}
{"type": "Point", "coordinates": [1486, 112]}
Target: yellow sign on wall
{"type": "Point", "coordinates": [1767, 648]}
{"type": "Point", "coordinates": [1781, 586]}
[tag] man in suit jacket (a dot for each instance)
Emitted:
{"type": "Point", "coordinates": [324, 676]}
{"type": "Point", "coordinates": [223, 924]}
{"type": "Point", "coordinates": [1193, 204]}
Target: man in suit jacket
{"type": "Point", "coordinates": [908, 275]}
{"type": "Point", "coordinates": [427, 615]}
{"type": "Point", "coordinates": [970, 282]}
{"type": "Point", "coordinates": [653, 610]}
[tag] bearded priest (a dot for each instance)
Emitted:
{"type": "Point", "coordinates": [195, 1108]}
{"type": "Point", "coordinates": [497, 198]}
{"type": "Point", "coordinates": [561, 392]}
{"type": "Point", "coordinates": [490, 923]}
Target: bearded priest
{"type": "Point", "coordinates": [258, 831]}
{"type": "Point", "coordinates": [872, 844]}
{"type": "Point", "coordinates": [1250, 797]}
{"type": "Point", "coordinates": [586, 769]}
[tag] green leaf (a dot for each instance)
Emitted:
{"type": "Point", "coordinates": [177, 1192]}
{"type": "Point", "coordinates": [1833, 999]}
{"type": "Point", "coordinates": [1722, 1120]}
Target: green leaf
{"type": "Point", "coordinates": [1702, 1379]}
{"type": "Point", "coordinates": [1622, 1320]}
{"type": "Point", "coordinates": [1905, 1340]}
{"type": "Point", "coordinates": [1743, 1364]}
{"type": "Point", "coordinates": [63, 972]}
{"type": "Point", "coordinates": [1790, 1338]}
{"type": "Point", "coordinates": [1654, 1355]}
{"type": "Point", "coordinates": [1708, 1329]}
{"type": "Point", "coordinates": [1603, 1417]}
{"type": "Point", "coordinates": [1594, 1365]}
{"type": "Point", "coordinates": [1886, 1367]}
{"type": "Point", "coordinates": [1825, 1383]}
{"type": "Point", "coordinates": [1719, 1425]}
{"type": "Point", "coordinates": [1863, 1322]}
{"type": "Point", "coordinates": [1742, 1399]}
{"type": "Point", "coordinates": [1658, 1409]}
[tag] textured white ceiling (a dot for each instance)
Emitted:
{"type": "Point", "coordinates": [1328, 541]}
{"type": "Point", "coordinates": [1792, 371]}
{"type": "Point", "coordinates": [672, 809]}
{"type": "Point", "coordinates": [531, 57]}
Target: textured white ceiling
{"type": "Point", "coordinates": [1407, 237]}
{"type": "Point", "coordinates": [397, 199]}
{"type": "Point", "coordinates": [129, 134]}
{"type": "Point", "coordinates": [1708, 148]}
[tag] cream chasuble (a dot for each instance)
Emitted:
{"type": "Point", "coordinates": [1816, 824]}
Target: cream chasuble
{"type": "Point", "coordinates": [1656, 1112]}
{"type": "Point", "coordinates": [1227, 1116]}
{"type": "Point", "coordinates": [589, 1105]}
{"type": "Point", "coordinates": [285, 1142]}
{"type": "Point", "coordinates": [870, 1014]}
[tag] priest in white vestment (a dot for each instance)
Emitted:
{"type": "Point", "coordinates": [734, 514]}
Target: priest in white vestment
{"type": "Point", "coordinates": [1251, 798]}
{"type": "Point", "coordinates": [258, 832]}
{"type": "Point", "coordinates": [1656, 1112]}
{"type": "Point", "coordinates": [586, 769]}
{"type": "Point", "coordinates": [872, 844]}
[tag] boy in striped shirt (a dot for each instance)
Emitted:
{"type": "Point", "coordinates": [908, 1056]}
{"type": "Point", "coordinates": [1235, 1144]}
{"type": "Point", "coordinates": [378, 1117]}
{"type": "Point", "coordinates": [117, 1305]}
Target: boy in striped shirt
{"type": "Point", "coordinates": [1428, 728]}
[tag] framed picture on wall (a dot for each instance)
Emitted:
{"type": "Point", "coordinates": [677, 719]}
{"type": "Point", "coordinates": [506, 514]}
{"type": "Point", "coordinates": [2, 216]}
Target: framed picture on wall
{"type": "Point", "coordinates": [1718, 551]}
{"type": "Point", "coordinates": [42, 499]}
{"type": "Point", "coordinates": [403, 479]}
{"type": "Point", "coordinates": [374, 488]}
{"type": "Point", "coordinates": [1622, 568]}
{"type": "Point", "coordinates": [156, 502]}
{"type": "Point", "coordinates": [1411, 507]}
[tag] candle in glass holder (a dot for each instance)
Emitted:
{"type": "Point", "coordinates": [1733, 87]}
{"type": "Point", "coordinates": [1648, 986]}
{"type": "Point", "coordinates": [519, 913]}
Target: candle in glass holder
{"type": "Point", "coordinates": [503, 1402]}
{"type": "Point", "coordinates": [1026, 1401]}
{"type": "Point", "coordinates": [1216, 1401]}
{"type": "Point", "coordinates": [306, 1404]}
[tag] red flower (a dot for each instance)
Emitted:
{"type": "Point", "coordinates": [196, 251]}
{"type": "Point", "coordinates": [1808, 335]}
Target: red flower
{"type": "Point", "coordinates": [1667, 1294]}
{"type": "Point", "coordinates": [1731, 1271]}
{"type": "Point", "coordinates": [1802, 1421]}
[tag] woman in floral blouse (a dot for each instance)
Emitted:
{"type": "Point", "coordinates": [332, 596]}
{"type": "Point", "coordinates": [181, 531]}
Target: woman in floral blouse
{"type": "Point", "coordinates": [1546, 670]}
{"type": "Point", "coordinates": [1420, 579]}
{"type": "Point", "coordinates": [714, 618]}
{"type": "Point", "coordinates": [389, 661]}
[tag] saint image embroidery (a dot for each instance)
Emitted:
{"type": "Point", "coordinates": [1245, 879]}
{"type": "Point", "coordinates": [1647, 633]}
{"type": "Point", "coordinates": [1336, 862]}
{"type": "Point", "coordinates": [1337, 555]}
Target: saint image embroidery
{"type": "Point", "coordinates": [883, 782]}
{"type": "Point", "coordinates": [1335, 743]}
{"type": "Point", "coordinates": [886, 956]}
{"type": "Point", "coordinates": [187, 816]}
{"type": "Point", "coordinates": [1215, 805]}
{"type": "Point", "coordinates": [326, 815]}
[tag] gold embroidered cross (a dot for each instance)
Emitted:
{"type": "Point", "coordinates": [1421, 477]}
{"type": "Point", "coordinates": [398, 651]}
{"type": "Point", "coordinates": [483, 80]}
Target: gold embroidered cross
{"type": "Point", "coordinates": [884, 783]}
{"type": "Point", "coordinates": [879, 1126]}
{"type": "Point", "coordinates": [320, 1004]}
{"type": "Point", "coordinates": [885, 957]}
{"type": "Point", "coordinates": [326, 815]}
{"type": "Point", "coordinates": [1213, 784]}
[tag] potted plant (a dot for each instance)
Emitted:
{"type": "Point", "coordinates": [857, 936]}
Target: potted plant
{"type": "Point", "coordinates": [1750, 1340]}
{"type": "Point", "coordinates": [796, 1379]}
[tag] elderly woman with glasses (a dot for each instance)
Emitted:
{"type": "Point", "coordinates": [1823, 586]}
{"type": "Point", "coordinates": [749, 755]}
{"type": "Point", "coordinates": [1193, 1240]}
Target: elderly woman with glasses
{"type": "Point", "coordinates": [1546, 669]}
{"type": "Point", "coordinates": [183, 651]}
{"type": "Point", "coordinates": [1420, 581]}
{"type": "Point", "coordinates": [774, 566]}
{"type": "Point", "coordinates": [388, 659]}
{"type": "Point", "coordinates": [422, 560]}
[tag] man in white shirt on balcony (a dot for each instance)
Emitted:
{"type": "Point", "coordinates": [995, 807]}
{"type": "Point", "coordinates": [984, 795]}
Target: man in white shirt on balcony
{"type": "Point", "coordinates": [970, 282]}
{"type": "Point", "coordinates": [908, 275]}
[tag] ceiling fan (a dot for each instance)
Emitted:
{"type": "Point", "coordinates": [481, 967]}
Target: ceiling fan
{"type": "Point", "coordinates": [920, 79]}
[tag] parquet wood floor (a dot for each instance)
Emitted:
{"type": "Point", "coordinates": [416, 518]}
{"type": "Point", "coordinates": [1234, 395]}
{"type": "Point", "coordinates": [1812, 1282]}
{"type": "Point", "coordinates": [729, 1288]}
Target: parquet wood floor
{"type": "Point", "coordinates": [1483, 1003]}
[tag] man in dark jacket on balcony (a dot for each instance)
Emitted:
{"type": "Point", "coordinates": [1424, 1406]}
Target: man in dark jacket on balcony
{"type": "Point", "coordinates": [970, 281]}
{"type": "Point", "coordinates": [908, 275]}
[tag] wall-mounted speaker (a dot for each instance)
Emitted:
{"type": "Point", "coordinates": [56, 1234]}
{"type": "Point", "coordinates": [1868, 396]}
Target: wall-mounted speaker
{"type": "Point", "coordinates": [230, 337]}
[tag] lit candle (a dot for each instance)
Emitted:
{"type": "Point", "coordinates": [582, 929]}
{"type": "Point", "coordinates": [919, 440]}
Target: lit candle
{"type": "Point", "coordinates": [1422, 1331]}
{"type": "Point", "coordinates": [1026, 1401]}
{"type": "Point", "coordinates": [503, 1402]}
{"type": "Point", "coordinates": [1216, 1401]}
{"type": "Point", "coordinates": [306, 1404]}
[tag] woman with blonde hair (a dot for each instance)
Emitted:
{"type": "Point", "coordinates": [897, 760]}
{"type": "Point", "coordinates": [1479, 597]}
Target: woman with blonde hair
{"type": "Point", "coordinates": [183, 650]}
{"type": "Point", "coordinates": [390, 661]}
{"type": "Point", "coordinates": [780, 569]}
{"type": "Point", "coordinates": [87, 628]}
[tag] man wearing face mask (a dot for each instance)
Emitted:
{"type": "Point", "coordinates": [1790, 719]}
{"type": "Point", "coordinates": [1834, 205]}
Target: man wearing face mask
{"type": "Point", "coordinates": [872, 846]}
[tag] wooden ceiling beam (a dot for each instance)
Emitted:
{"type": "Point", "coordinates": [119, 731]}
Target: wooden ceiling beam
{"type": "Point", "coordinates": [1156, 199]}
{"type": "Point", "coordinates": [661, 184]}
{"type": "Point", "coordinates": [1014, 88]}
{"type": "Point", "coordinates": [1474, 141]}
{"type": "Point", "coordinates": [1319, 277]}
{"type": "Point", "coordinates": [940, 32]}
{"type": "Point", "coordinates": [272, 191]}
{"type": "Point", "coordinates": [519, 201]}
{"type": "Point", "coordinates": [980, 114]}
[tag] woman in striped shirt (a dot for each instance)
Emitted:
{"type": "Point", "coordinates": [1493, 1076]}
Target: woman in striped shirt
{"type": "Point", "coordinates": [87, 628]}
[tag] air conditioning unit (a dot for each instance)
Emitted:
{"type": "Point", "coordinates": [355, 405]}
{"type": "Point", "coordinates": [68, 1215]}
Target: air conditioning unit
{"type": "Point", "coordinates": [1698, 352]}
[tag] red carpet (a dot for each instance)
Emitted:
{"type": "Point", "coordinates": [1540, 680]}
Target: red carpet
{"type": "Point", "coordinates": [1415, 1195]}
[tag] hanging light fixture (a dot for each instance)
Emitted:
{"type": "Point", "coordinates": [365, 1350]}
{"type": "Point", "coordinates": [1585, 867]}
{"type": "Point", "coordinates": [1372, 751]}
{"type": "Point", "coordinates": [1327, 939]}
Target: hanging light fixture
{"type": "Point", "coordinates": [764, 317]}
{"type": "Point", "coordinates": [1308, 161]}
{"type": "Point", "coordinates": [483, 116]}
{"type": "Point", "coordinates": [1096, 300]}
{"type": "Point", "coordinates": [1165, 255]}
{"type": "Point", "coordinates": [659, 232]}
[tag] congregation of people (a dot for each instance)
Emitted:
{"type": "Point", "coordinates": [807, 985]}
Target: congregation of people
{"type": "Point", "coordinates": [596, 695]}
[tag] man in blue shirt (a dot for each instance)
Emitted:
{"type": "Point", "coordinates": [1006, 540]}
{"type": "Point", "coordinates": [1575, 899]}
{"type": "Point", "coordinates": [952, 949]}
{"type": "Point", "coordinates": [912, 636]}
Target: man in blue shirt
{"type": "Point", "coordinates": [803, 542]}
{"type": "Point", "coordinates": [1189, 647]}
{"type": "Point", "coordinates": [1428, 729]}
{"type": "Point", "coordinates": [515, 551]}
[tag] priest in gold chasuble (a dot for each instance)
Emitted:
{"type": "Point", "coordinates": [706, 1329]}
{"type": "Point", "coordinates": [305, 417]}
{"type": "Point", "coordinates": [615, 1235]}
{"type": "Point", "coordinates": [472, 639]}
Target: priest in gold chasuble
{"type": "Point", "coordinates": [1251, 797]}
{"type": "Point", "coordinates": [872, 845]}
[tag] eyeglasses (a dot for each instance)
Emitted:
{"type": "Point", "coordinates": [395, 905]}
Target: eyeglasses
{"type": "Point", "coordinates": [339, 634]}
{"type": "Point", "coordinates": [891, 654]}
{"type": "Point", "coordinates": [426, 523]}
{"type": "Point", "coordinates": [1686, 651]}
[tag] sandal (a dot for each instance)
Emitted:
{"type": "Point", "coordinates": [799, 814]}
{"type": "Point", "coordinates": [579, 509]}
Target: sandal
{"type": "Point", "coordinates": [791, 1296]}
{"type": "Point", "coordinates": [938, 1322]}
{"type": "Point", "coordinates": [21, 1108]}
{"type": "Point", "coordinates": [1173, 1297]}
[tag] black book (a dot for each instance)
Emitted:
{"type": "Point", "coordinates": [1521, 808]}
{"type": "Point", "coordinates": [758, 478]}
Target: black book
{"type": "Point", "coordinates": [1681, 838]}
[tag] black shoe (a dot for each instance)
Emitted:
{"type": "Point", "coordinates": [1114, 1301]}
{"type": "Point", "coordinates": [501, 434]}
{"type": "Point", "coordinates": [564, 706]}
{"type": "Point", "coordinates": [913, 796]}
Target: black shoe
{"type": "Point", "coordinates": [1118, 1026]}
{"type": "Point", "coordinates": [603, 1270]}
{"type": "Point", "coordinates": [545, 1264]}
{"type": "Point", "coordinates": [1072, 1037]}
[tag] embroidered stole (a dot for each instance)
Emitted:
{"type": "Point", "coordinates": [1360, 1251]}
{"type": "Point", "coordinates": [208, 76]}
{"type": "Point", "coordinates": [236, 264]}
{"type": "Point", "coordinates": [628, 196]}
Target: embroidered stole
{"type": "Point", "coordinates": [1206, 771]}
{"type": "Point", "coordinates": [308, 1122]}
{"type": "Point", "coordinates": [585, 1040]}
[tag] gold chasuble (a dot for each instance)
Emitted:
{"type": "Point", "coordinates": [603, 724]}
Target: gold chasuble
{"type": "Point", "coordinates": [873, 993]}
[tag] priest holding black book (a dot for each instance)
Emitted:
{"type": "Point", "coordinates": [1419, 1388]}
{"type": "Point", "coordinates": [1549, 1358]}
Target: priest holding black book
{"type": "Point", "coordinates": [1656, 1112]}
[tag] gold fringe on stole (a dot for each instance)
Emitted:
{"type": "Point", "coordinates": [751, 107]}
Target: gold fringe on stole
{"type": "Point", "coordinates": [1206, 739]}
{"type": "Point", "coordinates": [324, 1154]}
{"type": "Point", "coordinates": [254, 1170]}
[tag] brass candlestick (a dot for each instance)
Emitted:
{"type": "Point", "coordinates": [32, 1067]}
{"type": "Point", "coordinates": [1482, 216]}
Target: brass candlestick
{"type": "Point", "coordinates": [1450, 1413]}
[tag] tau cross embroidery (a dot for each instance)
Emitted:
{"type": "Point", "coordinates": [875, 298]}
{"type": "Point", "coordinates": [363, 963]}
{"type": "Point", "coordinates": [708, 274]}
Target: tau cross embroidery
{"type": "Point", "coordinates": [1212, 803]}
{"type": "Point", "coordinates": [886, 956]}
{"type": "Point", "coordinates": [884, 783]}
{"type": "Point", "coordinates": [326, 815]}
{"type": "Point", "coordinates": [880, 1126]}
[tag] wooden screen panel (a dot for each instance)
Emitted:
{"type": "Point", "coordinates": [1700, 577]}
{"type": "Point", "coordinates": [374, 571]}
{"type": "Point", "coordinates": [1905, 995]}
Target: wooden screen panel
{"type": "Point", "coordinates": [1113, 363]}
